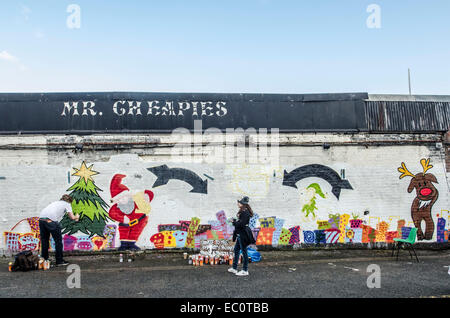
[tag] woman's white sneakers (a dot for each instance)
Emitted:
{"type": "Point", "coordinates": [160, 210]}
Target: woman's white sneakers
{"type": "Point", "coordinates": [242, 273]}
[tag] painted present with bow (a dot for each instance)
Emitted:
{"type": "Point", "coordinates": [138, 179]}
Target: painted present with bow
{"type": "Point", "coordinates": [29, 241]}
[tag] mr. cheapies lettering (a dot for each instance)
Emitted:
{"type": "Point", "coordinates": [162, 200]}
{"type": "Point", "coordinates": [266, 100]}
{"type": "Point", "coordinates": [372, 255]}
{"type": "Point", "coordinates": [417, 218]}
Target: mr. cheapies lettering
{"type": "Point", "coordinates": [149, 108]}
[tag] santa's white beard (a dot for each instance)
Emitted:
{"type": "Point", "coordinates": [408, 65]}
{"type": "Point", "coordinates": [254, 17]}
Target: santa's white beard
{"type": "Point", "coordinates": [126, 208]}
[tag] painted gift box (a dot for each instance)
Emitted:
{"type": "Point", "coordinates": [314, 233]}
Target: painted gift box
{"type": "Point", "coordinates": [265, 236]}
{"type": "Point", "coordinates": [355, 223]}
{"type": "Point", "coordinates": [158, 240]}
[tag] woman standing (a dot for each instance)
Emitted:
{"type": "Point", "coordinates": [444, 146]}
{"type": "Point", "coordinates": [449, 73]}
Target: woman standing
{"type": "Point", "coordinates": [243, 236]}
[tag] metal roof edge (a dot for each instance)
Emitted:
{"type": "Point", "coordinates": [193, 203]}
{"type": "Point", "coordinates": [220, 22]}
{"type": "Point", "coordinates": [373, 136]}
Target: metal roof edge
{"type": "Point", "coordinates": [408, 98]}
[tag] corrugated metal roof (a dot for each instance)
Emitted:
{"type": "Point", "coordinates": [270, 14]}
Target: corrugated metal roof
{"type": "Point", "coordinates": [407, 116]}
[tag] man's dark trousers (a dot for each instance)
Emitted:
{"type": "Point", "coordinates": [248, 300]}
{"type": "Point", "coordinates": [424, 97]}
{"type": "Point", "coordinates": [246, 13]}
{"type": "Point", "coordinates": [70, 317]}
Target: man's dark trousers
{"type": "Point", "coordinates": [53, 228]}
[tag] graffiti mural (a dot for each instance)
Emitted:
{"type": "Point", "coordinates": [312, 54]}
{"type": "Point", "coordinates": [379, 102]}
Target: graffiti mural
{"type": "Point", "coordinates": [426, 196]}
{"type": "Point", "coordinates": [319, 171]}
{"type": "Point", "coordinates": [29, 241]}
{"type": "Point", "coordinates": [164, 174]}
{"type": "Point", "coordinates": [308, 199]}
{"type": "Point", "coordinates": [87, 203]}
{"type": "Point", "coordinates": [125, 220]}
{"type": "Point", "coordinates": [130, 210]}
{"type": "Point", "coordinates": [188, 234]}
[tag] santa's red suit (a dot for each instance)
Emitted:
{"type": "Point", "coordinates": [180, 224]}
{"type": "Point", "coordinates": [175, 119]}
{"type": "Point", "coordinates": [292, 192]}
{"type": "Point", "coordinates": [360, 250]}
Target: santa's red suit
{"type": "Point", "coordinates": [125, 211]}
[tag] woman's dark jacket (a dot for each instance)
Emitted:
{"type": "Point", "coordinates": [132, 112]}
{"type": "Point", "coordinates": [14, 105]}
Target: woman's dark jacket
{"type": "Point", "coordinates": [241, 227]}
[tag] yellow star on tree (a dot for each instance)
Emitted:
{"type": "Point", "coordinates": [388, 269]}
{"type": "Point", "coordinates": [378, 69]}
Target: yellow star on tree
{"type": "Point", "coordinates": [85, 172]}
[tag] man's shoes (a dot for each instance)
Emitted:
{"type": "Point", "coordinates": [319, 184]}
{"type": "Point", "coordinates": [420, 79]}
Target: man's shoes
{"type": "Point", "coordinates": [242, 273]}
{"type": "Point", "coordinates": [232, 270]}
{"type": "Point", "coordinates": [63, 263]}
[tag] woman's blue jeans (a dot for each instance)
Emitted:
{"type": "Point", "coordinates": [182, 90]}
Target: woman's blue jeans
{"type": "Point", "coordinates": [237, 250]}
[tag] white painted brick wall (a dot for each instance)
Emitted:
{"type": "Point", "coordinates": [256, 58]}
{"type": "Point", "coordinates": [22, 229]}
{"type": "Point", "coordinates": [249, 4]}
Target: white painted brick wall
{"type": "Point", "coordinates": [35, 177]}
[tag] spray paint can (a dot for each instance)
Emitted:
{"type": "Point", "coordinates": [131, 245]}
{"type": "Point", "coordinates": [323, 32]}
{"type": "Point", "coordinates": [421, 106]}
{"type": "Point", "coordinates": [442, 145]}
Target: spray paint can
{"type": "Point", "coordinates": [201, 260]}
{"type": "Point", "coordinates": [190, 260]}
{"type": "Point", "coordinates": [46, 265]}
{"type": "Point", "coordinates": [10, 266]}
{"type": "Point", "coordinates": [206, 259]}
{"type": "Point", "coordinates": [121, 258]}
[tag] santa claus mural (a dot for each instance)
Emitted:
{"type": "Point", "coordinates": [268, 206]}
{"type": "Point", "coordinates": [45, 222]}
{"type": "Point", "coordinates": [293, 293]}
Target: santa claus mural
{"type": "Point", "coordinates": [130, 210]}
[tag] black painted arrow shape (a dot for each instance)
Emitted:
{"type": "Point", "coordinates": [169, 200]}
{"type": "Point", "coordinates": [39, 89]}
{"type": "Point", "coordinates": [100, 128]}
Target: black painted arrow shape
{"type": "Point", "coordinates": [164, 174]}
{"type": "Point", "coordinates": [319, 171]}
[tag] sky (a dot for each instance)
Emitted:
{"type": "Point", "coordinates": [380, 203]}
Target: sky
{"type": "Point", "coordinates": [228, 46]}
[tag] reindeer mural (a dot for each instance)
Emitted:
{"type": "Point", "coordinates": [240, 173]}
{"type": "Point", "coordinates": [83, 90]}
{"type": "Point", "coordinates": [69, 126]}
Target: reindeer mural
{"type": "Point", "coordinates": [426, 196]}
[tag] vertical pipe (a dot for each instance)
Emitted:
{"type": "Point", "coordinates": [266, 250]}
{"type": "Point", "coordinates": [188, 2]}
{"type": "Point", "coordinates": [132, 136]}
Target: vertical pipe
{"type": "Point", "coordinates": [409, 80]}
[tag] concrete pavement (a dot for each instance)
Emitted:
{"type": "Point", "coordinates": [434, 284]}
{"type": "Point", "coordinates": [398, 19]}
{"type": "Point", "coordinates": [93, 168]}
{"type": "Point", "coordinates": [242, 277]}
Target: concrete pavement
{"type": "Point", "coordinates": [280, 274]}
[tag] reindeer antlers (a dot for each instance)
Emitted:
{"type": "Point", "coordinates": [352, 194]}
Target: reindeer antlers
{"type": "Point", "coordinates": [404, 171]}
{"type": "Point", "coordinates": [426, 165]}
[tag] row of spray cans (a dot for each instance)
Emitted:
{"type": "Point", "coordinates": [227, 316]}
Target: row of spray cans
{"type": "Point", "coordinates": [42, 264]}
{"type": "Point", "coordinates": [223, 259]}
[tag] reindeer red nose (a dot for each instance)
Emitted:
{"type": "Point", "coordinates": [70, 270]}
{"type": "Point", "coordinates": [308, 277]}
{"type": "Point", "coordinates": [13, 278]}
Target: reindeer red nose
{"type": "Point", "coordinates": [425, 191]}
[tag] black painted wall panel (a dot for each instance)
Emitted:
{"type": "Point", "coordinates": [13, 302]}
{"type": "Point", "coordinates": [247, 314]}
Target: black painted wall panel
{"type": "Point", "coordinates": [42, 113]}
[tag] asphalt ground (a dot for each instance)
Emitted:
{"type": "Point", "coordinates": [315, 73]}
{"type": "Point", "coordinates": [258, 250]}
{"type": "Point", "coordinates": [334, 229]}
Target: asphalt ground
{"type": "Point", "coordinates": [280, 274]}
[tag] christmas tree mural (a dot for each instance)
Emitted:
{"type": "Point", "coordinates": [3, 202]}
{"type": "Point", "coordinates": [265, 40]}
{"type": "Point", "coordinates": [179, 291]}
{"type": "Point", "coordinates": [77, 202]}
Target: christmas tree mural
{"type": "Point", "coordinates": [87, 203]}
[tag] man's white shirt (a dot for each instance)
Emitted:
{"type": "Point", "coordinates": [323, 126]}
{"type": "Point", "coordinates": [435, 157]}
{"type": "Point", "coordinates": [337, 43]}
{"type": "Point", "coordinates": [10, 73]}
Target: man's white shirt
{"type": "Point", "coordinates": [55, 211]}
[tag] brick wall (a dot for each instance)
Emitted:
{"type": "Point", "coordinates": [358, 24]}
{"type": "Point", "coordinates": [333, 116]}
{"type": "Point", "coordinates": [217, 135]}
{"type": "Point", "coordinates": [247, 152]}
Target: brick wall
{"type": "Point", "coordinates": [356, 177]}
